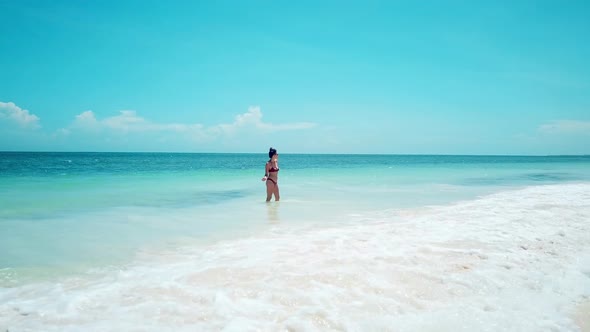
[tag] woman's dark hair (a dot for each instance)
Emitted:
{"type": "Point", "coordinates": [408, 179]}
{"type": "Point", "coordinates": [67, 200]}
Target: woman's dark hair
{"type": "Point", "coordinates": [272, 152]}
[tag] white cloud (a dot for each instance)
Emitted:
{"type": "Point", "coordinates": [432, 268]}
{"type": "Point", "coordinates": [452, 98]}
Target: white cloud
{"type": "Point", "coordinates": [566, 127]}
{"type": "Point", "coordinates": [129, 121]}
{"type": "Point", "coordinates": [62, 132]}
{"type": "Point", "coordinates": [126, 121]}
{"type": "Point", "coordinates": [253, 118]}
{"type": "Point", "coordinates": [16, 114]}
{"type": "Point", "coordinates": [86, 119]}
{"type": "Point", "coordinates": [87, 116]}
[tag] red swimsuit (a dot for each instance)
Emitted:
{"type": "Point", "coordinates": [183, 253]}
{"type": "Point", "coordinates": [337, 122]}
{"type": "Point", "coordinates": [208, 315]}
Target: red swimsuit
{"type": "Point", "coordinates": [272, 170]}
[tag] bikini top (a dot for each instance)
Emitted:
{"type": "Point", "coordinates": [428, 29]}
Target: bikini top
{"type": "Point", "coordinates": [273, 169]}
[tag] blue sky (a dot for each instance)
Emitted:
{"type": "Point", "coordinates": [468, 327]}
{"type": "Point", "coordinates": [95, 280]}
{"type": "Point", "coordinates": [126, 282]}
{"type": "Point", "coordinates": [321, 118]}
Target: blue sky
{"type": "Point", "coordinates": [440, 77]}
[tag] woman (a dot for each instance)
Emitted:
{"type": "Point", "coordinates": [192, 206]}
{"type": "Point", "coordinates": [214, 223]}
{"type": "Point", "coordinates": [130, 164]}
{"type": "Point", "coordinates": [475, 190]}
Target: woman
{"type": "Point", "coordinates": [271, 175]}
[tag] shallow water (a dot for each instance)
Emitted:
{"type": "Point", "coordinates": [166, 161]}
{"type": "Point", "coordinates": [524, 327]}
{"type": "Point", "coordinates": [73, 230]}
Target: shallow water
{"type": "Point", "coordinates": [186, 242]}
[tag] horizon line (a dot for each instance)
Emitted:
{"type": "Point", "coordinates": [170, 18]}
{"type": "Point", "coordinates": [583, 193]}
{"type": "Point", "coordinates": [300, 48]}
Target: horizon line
{"type": "Point", "coordinates": [312, 153]}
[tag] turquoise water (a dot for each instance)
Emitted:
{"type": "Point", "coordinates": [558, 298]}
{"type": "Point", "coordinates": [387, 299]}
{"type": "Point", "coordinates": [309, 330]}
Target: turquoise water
{"type": "Point", "coordinates": [64, 213]}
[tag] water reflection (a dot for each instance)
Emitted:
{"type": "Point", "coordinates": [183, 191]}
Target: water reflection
{"type": "Point", "coordinates": [273, 212]}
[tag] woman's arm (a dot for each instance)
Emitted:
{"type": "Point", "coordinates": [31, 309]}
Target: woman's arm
{"type": "Point", "coordinates": [265, 172]}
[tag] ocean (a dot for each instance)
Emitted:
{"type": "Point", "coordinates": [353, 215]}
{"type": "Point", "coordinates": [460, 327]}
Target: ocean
{"type": "Point", "coordinates": [186, 242]}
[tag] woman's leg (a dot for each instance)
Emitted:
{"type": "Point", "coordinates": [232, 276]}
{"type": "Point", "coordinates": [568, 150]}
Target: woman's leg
{"type": "Point", "coordinates": [276, 192]}
{"type": "Point", "coordinates": [269, 190]}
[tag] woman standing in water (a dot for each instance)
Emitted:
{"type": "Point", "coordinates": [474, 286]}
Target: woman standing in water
{"type": "Point", "coordinates": [271, 175]}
